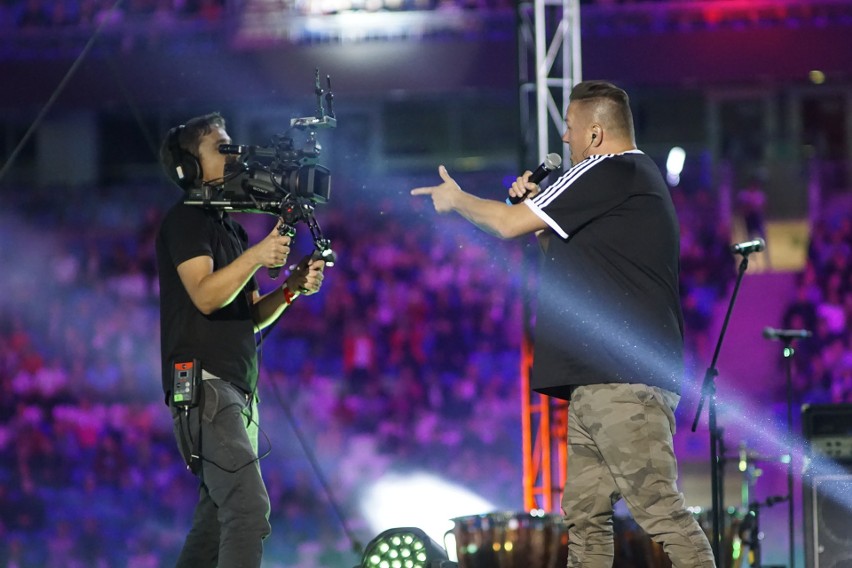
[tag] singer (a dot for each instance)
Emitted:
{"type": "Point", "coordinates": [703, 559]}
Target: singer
{"type": "Point", "coordinates": [210, 308]}
{"type": "Point", "coordinates": [609, 328]}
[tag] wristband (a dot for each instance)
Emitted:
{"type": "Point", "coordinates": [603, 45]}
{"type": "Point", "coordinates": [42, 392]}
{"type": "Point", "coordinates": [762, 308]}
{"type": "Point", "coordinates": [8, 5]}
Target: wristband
{"type": "Point", "coordinates": [289, 295]}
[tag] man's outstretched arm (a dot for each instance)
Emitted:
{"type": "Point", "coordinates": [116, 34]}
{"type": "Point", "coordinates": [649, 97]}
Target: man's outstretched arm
{"type": "Point", "coordinates": [495, 217]}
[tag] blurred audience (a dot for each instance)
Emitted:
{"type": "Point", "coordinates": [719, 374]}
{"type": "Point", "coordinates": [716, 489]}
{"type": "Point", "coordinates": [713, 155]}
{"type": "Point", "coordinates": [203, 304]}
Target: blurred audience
{"type": "Point", "coordinates": [81, 426]}
{"type": "Point", "coordinates": [49, 29]}
{"type": "Point", "coordinates": [411, 362]}
{"type": "Point", "coordinates": [822, 303]}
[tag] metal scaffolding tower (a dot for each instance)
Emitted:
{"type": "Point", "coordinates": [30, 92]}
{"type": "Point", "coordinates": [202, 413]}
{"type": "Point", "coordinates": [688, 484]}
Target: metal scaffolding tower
{"type": "Point", "coordinates": [549, 64]}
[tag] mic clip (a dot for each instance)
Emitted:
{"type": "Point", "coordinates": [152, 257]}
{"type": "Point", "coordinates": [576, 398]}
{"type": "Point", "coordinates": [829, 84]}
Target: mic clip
{"type": "Point", "coordinates": [748, 247]}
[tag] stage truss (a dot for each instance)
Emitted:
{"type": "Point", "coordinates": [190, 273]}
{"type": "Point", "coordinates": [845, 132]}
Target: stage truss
{"type": "Point", "coordinates": [549, 64]}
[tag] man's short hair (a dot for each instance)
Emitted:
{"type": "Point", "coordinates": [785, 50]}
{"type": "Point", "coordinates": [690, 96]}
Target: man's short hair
{"type": "Point", "coordinates": [611, 104]}
{"type": "Point", "coordinates": [181, 144]}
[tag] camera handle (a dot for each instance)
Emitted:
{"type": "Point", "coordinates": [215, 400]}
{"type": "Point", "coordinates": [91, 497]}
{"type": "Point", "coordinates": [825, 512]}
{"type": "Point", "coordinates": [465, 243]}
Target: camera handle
{"type": "Point", "coordinates": [285, 230]}
{"type": "Point", "coordinates": [323, 249]}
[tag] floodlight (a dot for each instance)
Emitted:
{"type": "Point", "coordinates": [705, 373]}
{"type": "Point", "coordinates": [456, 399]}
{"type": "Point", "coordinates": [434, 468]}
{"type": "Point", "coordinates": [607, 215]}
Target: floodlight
{"type": "Point", "coordinates": [405, 547]}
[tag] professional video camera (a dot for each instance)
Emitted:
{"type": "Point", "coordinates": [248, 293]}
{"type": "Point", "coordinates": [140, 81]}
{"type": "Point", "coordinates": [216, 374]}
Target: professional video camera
{"type": "Point", "coordinates": [279, 179]}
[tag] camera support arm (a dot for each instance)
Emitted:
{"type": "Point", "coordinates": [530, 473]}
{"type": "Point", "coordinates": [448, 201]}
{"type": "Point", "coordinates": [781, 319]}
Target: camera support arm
{"type": "Point", "coordinates": [292, 211]}
{"type": "Point", "coordinates": [288, 211]}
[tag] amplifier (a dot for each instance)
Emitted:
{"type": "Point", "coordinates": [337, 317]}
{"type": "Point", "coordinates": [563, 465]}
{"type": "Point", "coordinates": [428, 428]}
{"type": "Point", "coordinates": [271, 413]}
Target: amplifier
{"type": "Point", "coordinates": [827, 508]}
{"type": "Point", "coordinates": [828, 430]}
{"type": "Point", "coordinates": [827, 485]}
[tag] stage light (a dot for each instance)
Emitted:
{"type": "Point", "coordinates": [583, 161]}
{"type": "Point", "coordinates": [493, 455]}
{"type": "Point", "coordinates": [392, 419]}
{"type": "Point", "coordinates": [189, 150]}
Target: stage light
{"type": "Point", "coordinates": [817, 77]}
{"type": "Point", "coordinates": [420, 499]}
{"type": "Point", "coordinates": [405, 547]}
{"type": "Point", "coordinates": [674, 165]}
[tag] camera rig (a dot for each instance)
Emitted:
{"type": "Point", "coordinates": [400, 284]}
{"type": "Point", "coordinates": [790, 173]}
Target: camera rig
{"type": "Point", "coordinates": [280, 179]}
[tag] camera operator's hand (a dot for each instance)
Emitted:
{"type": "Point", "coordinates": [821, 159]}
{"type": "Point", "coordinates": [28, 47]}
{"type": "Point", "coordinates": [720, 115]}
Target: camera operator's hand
{"type": "Point", "coordinates": [273, 250]}
{"type": "Point", "coordinates": [306, 277]}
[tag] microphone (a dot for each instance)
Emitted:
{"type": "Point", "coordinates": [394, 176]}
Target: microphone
{"type": "Point", "coordinates": [551, 162]}
{"type": "Point", "coordinates": [776, 334]}
{"type": "Point", "coordinates": [748, 247]}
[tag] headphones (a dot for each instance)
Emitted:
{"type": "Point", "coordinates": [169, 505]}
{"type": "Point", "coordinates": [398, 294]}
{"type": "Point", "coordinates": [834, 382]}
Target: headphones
{"type": "Point", "coordinates": [184, 169]}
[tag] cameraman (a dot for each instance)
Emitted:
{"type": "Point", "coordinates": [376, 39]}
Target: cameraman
{"type": "Point", "coordinates": [210, 311]}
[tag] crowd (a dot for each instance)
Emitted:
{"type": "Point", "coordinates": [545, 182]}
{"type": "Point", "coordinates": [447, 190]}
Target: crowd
{"type": "Point", "coordinates": [33, 15]}
{"type": "Point", "coordinates": [50, 29]}
{"type": "Point", "coordinates": [61, 28]}
{"type": "Point", "coordinates": [407, 360]}
{"type": "Point", "coordinates": [65, 14]}
{"type": "Point", "coordinates": [707, 272]}
{"type": "Point", "coordinates": [822, 303]}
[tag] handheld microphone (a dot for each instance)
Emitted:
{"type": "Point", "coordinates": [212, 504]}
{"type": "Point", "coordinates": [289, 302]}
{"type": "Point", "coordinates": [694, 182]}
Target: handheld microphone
{"type": "Point", "coordinates": [748, 247]}
{"type": "Point", "coordinates": [776, 334]}
{"type": "Point", "coordinates": [551, 162]}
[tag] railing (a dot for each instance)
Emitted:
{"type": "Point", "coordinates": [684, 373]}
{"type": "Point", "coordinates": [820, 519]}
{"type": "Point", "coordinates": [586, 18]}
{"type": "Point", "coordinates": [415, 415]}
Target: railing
{"type": "Point", "coordinates": [695, 15]}
{"type": "Point", "coordinates": [129, 33]}
{"type": "Point", "coordinates": [259, 23]}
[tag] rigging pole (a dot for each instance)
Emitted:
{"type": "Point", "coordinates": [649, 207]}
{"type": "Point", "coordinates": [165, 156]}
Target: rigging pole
{"type": "Point", "coordinates": [549, 64]}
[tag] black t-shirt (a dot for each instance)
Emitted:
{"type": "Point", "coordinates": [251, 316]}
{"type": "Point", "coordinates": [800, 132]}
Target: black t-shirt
{"type": "Point", "coordinates": [223, 341]}
{"type": "Point", "coordinates": [608, 307]}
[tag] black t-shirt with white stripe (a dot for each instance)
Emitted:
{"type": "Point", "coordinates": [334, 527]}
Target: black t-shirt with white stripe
{"type": "Point", "coordinates": [608, 307]}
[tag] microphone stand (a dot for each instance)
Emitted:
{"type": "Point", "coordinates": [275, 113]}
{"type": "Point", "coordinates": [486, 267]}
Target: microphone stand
{"type": "Point", "coordinates": [788, 365]}
{"type": "Point", "coordinates": [755, 535]}
{"type": "Point", "coordinates": [708, 391]}
{"type": "Point", "coordinates": [755, 559]}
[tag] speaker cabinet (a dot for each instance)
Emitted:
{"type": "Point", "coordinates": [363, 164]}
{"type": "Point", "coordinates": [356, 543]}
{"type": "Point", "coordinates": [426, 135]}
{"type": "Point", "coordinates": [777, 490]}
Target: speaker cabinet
{"type": "Point", "coordinates": [827, 485]}
{"type": "Point", "coordinates": [828, 520]}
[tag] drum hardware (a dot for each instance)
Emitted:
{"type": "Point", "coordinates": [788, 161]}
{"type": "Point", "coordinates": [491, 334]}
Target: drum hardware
{"type": "Point", "coordinates": [749, 536]}
{"type": "Point", "coordinates": [510, 540]}
{"type": "Point", "coordinates": [750, 532]}
{"type": "Point", "coordinates": [540, 540]}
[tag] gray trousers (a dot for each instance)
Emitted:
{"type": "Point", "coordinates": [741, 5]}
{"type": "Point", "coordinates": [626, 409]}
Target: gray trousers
{"type": "Point", "coordinates": [620, 446]}
{"type": "Point", "coordinates": [231, 518]}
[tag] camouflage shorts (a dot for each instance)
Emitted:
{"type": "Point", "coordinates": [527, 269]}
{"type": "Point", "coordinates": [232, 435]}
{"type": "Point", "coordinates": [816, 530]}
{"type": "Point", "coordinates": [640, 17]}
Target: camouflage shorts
{"type": "Point", "coordinates": [620, 446]}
